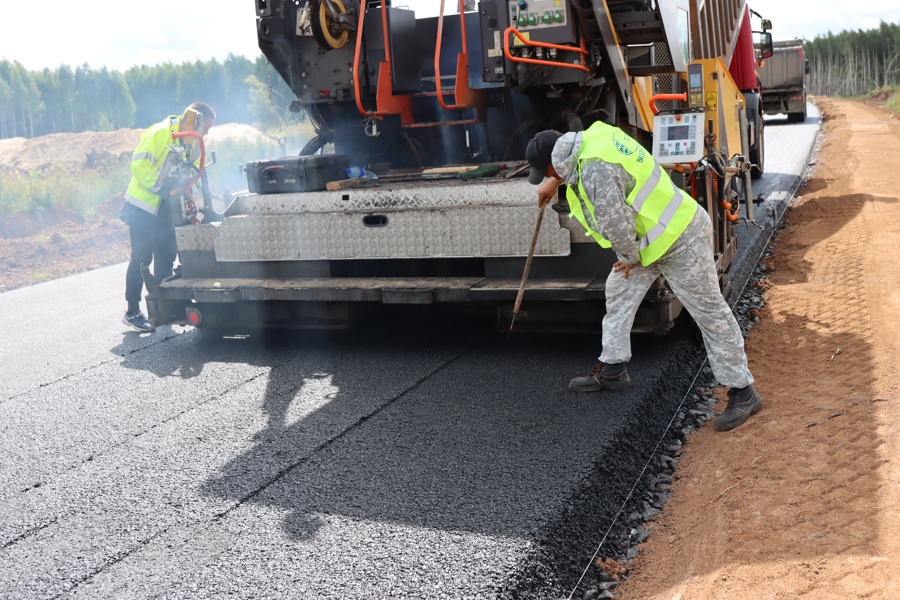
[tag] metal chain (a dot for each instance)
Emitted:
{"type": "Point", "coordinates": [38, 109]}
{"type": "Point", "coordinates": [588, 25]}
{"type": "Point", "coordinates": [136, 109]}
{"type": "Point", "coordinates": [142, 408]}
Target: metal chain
{"type": "Point", "coordinates": [268, 82]}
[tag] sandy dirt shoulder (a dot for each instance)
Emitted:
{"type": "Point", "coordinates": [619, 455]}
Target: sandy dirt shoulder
{"type": "Point", "coordinates": [803, 501]}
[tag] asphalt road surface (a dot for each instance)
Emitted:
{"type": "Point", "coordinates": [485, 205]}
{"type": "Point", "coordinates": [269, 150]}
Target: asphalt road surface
{"type": "Point", "coordinates": [422, 460]}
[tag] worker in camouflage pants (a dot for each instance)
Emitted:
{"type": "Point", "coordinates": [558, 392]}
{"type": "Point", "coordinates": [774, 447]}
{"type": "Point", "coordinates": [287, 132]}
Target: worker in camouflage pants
{"type": "Point", "coordinates": [628, 203]}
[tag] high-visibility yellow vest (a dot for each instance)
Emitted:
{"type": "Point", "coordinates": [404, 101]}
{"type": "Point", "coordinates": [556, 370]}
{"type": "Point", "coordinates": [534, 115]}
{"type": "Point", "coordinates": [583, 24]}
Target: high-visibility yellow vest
{"type": "Point", "coordinates": [662, 211]}
{"type": "Point", "coordinates": [146, 163]}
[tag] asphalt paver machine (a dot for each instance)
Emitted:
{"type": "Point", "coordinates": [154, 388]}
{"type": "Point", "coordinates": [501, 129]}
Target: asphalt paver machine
{"type": "Point", "coordinates": [441, 109]}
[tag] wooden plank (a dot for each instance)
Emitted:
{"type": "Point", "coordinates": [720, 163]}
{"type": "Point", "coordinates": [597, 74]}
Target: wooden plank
{"type": "Point", "coordinates": [450, 169]}
{"type": "Point", "coordinates": [343, 184]}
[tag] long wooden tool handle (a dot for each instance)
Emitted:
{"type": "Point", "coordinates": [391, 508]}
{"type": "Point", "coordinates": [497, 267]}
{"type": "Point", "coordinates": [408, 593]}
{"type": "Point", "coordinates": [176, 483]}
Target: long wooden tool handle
{"type": "Point", "coordinates": [537, 230]}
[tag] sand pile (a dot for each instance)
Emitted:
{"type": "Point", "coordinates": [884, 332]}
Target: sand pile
{"type": "Point", "coordinates": [74, 149]}
{"type": "Point", "coordinates": [65, 149]}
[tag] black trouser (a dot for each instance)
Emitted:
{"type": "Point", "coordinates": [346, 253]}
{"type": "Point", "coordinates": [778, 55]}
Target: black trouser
{"type": "Point", "coordinates": [152, 239]}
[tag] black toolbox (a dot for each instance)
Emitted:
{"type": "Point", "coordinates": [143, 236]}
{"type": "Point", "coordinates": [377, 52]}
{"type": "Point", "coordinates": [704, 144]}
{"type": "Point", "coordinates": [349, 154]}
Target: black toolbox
{"type": "Point", "coordinates": [296, 173]}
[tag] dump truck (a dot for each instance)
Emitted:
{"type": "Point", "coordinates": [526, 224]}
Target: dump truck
{"type": "Point", "coordinates": [441, 109]}
{"type": "Point", "coordinates": [783, 77]}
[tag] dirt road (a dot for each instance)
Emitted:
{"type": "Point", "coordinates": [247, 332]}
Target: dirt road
{"type": "Point", "coordinates": [803, 501]}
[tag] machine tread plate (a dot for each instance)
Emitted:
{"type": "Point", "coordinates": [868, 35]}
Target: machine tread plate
{"type": "Point", "coordinates": [441, 232]}
{"type": "Point", "coordinates": [390, 290]}
{"type": "Point", "coordinates": [538, 289]}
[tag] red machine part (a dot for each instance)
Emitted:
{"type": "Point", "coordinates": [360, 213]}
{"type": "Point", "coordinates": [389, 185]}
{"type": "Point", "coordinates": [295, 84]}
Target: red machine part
{"type": "Point", "coordinates": [194, 317]}
{"type": "Point", "coordinates": [534, 61]}
{"type": "Point", "coordinates": [743, 61]}
{"type": "Point", "coordinates": [659, 97]}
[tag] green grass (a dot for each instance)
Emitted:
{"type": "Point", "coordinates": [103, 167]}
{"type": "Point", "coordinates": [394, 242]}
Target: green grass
{"type": "Point", "coordinates": [41, 276]}
{"type": "Point", "coordinates": [82, 192]}
{"type": "Point", "coordinates": [36, 191]}
{"type": "Point", "coordinates": [894, 103]}
{"type": "Point", "coordinates": [891, 93]}
{"type": "Point", "coordinates": [47, 238]}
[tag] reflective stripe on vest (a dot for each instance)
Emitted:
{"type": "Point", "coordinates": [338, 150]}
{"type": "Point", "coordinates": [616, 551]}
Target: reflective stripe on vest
{"type": "Point", "coordinates": [144, 156]}
{"type": "Point", "coordinates": [146, 162]}
{"type": "Point", "coordinates": [662, 211]}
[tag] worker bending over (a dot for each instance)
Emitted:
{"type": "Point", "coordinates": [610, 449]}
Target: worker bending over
{"type": "Point", "coordinates": [628, 202]}
{"type": "Point", "coordinates": [153, 175]}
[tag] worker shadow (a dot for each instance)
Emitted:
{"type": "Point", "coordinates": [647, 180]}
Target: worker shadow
{"type": "Point", "coordinates": [801, 485]}
{"type": "Point", "coordinates": [174, 363]}
{"type": "Point", "coordinates": [450, 430]}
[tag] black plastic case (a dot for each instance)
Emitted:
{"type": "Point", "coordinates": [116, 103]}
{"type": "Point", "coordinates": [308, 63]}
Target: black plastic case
{"type": "Point", "coordinates": [296, 173]}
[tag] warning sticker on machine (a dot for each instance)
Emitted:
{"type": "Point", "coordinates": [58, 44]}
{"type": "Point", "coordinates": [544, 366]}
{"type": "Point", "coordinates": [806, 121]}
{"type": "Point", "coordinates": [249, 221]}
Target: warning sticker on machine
{"type": "Point", "coordinates": [712, 101]}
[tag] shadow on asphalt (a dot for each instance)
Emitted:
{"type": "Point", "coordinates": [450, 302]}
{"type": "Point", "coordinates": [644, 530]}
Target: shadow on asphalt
{"type": "Point", "coordinates": [481, 443]}
{"type": "Point", "coordinates": [448, 426]}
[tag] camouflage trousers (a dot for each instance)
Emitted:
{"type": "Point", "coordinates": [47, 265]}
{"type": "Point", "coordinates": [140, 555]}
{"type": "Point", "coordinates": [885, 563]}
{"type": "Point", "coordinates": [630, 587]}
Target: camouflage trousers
{"type": "Point", "coordinates": [689, 268]}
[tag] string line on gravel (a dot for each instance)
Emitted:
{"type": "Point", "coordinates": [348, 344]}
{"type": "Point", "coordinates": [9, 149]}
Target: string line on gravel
{"type": "Point", "coordinates": [737, 297]}
{"type": "Point", "coordinates": [637, 481]}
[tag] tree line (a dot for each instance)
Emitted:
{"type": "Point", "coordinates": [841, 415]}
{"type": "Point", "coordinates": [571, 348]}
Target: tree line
{"type": "Point", "coordinates": [67, 100]}
{"type": "Point", "coordinates": [854, 62]}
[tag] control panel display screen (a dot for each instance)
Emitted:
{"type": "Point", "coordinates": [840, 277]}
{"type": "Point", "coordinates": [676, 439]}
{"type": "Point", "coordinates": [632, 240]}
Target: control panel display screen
{"type": "Point", "coordinates": [677, 132]}
{"type": "Point", "coordinates": [696, 79]}
{"type": "Point", "coordinates": [678, 138]}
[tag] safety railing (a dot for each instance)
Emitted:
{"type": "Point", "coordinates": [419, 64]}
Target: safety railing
{"type": "Point", "coordinates": [386, 102]}
{"type": "Point", "coordinates": [463, 97]}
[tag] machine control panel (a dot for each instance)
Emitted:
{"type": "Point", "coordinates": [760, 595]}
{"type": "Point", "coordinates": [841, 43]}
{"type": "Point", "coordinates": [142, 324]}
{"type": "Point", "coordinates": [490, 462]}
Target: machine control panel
{"type": "Point", "coordinates": [537, 14]}
{"type": "Point", "coordinates": [695, 86]}
{"type": "Point", "coordinates": [544, 21]}
{"type": "Point", "coordinates": [678, 138]}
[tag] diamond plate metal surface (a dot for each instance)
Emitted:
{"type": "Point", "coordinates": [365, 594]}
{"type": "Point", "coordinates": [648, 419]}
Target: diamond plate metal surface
{"type": "Point", "coordinates": [196, 237]}
{"type": "Point", "coordinates": [443, 232]}
{"type": "Point", "coordinates": [423, 194]}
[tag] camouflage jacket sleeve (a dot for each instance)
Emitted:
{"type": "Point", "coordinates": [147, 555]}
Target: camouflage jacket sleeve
{"type": "Point", "coordinates": [607, 185]}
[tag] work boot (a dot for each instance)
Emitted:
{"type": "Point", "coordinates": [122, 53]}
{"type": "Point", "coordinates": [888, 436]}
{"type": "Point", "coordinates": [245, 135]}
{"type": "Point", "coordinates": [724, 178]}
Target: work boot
{"type": "Point", "coordinates": [603, 377]}
{"type": "Point", "coordinates": [138, 321]}
{"type": "Point", "coordinates": [742, 402]}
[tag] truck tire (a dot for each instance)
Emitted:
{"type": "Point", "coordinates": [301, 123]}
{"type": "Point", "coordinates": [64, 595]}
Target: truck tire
{"type": "Point", "coordinates": [757, 146]}
{"type": "Point", "coordinates": [797, 117]}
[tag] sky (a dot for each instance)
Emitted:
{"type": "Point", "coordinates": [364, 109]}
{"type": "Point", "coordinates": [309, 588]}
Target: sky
{"type": "Point", "coordinates": [74, 33]}
{"type": "Point", "coordinates": [808, 18]}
